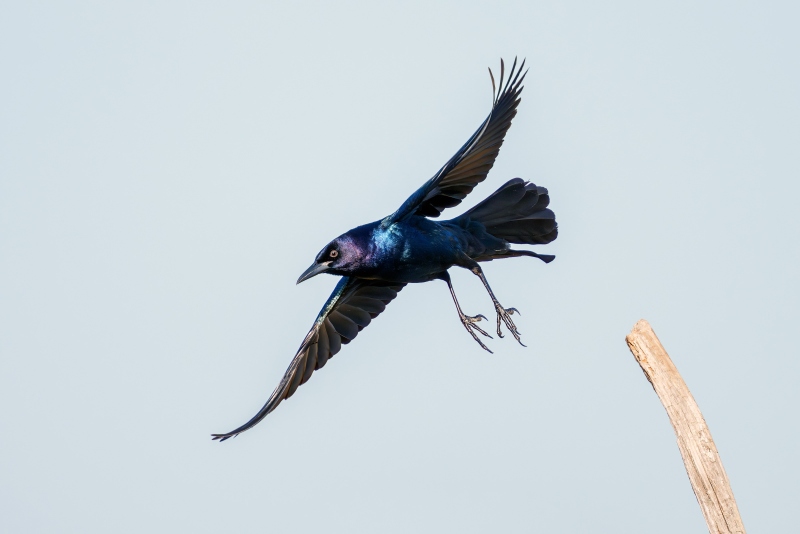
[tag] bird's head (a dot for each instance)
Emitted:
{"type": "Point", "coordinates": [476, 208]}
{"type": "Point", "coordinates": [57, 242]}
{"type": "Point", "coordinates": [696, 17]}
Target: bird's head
{"type": "Point", "coordinates": [340, 256]}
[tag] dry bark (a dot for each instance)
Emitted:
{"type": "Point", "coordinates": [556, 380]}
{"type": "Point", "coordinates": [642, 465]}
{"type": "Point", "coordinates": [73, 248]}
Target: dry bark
{"type": "Point", "coordinates": [700, 456]}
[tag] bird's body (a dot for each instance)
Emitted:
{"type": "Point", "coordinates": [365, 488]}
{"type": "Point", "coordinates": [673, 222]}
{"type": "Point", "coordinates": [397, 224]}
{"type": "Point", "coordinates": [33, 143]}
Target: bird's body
{"type": "Point", "coordinates": [378, 259]}
{"type": "Point", "coordinates": [410, 251]}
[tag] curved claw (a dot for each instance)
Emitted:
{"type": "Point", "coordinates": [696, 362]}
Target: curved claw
{"type": "Point", "coordinates": [484, 347]}
{"type": "Point", "coordinates": [504, 315]}
{"type": "Point", "coordinates": [469, 324]}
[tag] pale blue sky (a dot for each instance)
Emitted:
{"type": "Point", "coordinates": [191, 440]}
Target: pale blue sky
{"type": "Point", "coordinates": [168, 169]}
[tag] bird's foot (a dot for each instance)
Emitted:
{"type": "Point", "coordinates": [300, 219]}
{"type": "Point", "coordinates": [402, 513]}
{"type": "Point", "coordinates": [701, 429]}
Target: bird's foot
{"type": "Point", "coordinates": [469, 324]}
{"type": "Point", "coordinates": [504, 316]}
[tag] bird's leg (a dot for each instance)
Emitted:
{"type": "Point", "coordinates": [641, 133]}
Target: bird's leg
{"type": "Point", "coordinates": [503, 314]}
{"type": "Point", "coordinates": [466, 320]}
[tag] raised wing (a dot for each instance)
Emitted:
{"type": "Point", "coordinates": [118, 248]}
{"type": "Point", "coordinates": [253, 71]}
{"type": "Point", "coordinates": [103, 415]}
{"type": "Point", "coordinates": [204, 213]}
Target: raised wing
{"type": "Point", "coordinates": [472, 162]}
{"type": "Point", "coordinates": [352, 306]}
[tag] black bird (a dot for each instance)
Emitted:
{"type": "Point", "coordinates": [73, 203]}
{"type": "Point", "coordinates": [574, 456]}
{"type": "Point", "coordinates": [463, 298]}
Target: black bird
{"type": "Point", "coordinates": [378, 259]}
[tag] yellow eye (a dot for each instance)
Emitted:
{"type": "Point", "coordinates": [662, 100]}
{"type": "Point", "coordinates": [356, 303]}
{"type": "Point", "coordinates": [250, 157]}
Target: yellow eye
{"type": "Point", "coordinates": [334, 253]}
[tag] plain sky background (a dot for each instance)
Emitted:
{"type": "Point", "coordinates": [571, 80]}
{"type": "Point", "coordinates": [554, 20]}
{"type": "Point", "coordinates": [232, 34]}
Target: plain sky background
{"type": "Point", "coordinates": [168, 169]}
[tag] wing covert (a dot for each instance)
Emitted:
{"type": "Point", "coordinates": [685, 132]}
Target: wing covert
{"type": "Point", "coordinates": [352, 306]}
{"type": "Point", "coordinates": [470, 165]}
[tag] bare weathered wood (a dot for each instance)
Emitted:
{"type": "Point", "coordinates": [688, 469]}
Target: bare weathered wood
{"type": "Point", "coordinates": [700, 456]}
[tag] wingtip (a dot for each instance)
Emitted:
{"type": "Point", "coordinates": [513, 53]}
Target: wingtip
{"type": "Point", "coordinates": [511, 84]}
{"type": "Point", "coordinates": [502, 76]}
{"type": "Point", "coordinates": [494, 90]}
{"type": "Point", "coordinates": [511, 74]}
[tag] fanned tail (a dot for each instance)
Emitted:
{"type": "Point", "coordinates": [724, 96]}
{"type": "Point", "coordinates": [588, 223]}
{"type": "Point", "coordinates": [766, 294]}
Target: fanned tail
{"type": "Point", "coordinates": [516, 213]}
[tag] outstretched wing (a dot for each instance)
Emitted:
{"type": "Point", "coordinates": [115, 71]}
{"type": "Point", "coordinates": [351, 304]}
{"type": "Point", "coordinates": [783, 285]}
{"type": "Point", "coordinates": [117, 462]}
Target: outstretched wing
{"type": "Point", "coordinates": [352, 305]}
{"type": "Point", "coordinates": [472, 162]}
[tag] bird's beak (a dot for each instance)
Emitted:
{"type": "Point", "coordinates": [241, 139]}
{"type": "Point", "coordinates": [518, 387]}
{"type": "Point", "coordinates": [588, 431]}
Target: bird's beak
{"type": "Point", "coordinates": [314, 270]}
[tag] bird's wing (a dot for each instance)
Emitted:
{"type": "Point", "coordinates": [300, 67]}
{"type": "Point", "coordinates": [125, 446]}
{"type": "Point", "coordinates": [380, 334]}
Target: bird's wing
{"type": "Point", "coordinates": [472, 162]}
{"type": "Point", "coordinates": [351, 307]}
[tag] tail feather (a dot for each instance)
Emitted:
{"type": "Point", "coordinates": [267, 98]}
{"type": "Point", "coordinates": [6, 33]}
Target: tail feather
{"type": "Point", "coordinates": [517, 213]}
{"type": "Point", "coordinates": [510, 253]}
{"type": "Point", "coordinates": [513, 200]}
{"type": "Point", "coordinates": [530, 231]}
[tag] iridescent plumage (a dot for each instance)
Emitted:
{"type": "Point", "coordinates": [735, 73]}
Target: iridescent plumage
{"type": "Point", "coordinates": [378, 259]}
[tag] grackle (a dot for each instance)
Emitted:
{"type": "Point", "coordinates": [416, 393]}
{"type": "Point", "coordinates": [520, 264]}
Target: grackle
{"type": "Point", "coordinates": [376, 260]}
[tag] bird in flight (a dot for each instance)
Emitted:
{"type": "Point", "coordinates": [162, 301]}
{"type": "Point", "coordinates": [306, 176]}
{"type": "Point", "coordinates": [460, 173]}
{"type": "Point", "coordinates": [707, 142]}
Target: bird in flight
{"type": "Point", "coordinates": [376, 260]}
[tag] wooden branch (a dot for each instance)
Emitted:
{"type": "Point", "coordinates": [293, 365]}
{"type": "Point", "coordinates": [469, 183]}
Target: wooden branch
{"type": "Point", "coordinates": [700, 456]}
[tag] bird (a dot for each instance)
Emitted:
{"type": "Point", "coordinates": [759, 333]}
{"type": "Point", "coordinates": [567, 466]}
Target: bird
{"type": "Point", "coordinates": [376, 260]}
